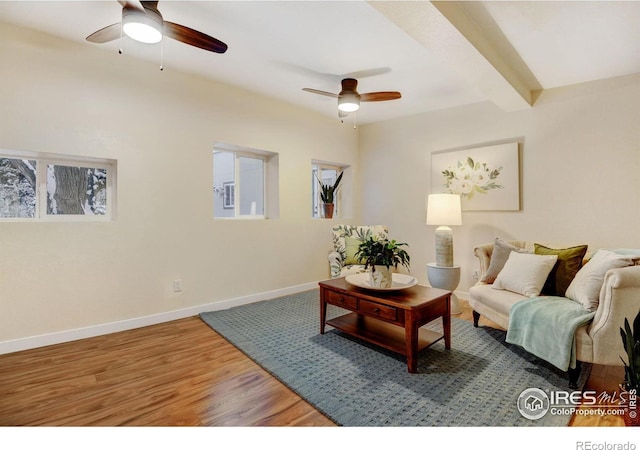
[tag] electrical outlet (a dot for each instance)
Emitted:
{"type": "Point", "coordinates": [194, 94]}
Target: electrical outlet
{"type": "Point", "coordinates": [177, 285]}
{"type": "Point", "coordinates": [475, 275]}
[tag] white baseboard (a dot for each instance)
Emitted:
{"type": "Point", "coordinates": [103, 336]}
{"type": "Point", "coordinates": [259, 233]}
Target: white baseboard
{"type": "Point", "coordinates": [43, 340]}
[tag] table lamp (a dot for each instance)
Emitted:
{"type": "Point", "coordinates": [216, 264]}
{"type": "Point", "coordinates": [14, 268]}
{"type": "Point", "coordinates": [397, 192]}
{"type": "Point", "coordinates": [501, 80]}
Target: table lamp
{"type": "Point", "coordinates": [444, 210]}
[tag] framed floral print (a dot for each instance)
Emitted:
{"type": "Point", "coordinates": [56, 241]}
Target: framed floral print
{"type": "Point", "coordinates": [486, 178]}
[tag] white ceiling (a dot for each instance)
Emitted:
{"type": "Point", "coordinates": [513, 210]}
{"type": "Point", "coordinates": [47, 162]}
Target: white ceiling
{"type": "Point", "coordinates": [437, 54]}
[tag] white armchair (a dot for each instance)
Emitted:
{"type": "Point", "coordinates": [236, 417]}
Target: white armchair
{"type": "Point", "coordinates": [346, 240]}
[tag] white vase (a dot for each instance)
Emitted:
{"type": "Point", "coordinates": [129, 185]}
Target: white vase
{"type": "Point", "coordinates": [381, 276]}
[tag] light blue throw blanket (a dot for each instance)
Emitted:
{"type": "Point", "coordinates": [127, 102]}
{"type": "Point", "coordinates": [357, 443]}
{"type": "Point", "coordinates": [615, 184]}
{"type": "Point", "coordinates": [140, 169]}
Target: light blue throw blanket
{"type": "Point", "coordinates": [546, 327]}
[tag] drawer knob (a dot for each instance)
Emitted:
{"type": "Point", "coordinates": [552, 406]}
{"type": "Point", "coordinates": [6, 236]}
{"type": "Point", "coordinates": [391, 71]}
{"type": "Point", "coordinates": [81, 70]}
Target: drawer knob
{"type": "Point", "coordinates": [376, 310]}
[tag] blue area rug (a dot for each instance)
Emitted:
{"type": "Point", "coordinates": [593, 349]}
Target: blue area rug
{"type": "Point", "coordinates": [475, 383]}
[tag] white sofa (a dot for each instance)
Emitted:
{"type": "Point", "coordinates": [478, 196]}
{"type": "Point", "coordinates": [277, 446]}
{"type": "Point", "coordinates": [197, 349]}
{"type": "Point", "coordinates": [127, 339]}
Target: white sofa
{"type": "Point", "coordinates": [597, 342]}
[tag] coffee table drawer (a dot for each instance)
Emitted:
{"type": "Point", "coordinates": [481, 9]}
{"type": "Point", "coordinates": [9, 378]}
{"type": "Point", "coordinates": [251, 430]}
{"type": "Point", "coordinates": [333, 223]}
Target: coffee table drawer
{"type": "Point", "coordinates": [377, 310]}
{"type": "Point", "coordinates": [344, 301]}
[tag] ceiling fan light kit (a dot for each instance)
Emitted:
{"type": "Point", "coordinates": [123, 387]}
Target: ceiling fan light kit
{"type": "Point", "coordinates": [349, 102]}
{"type": "Point", "coordinates": [146, 28]}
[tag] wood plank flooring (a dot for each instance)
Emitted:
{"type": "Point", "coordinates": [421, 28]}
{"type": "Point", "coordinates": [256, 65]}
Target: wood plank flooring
{"type": "Point", "coordinates": [175, 373]}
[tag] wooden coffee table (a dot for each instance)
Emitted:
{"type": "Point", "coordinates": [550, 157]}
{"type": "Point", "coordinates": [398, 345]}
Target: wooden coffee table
{"type": "Point", "coordinates": [389, 319]}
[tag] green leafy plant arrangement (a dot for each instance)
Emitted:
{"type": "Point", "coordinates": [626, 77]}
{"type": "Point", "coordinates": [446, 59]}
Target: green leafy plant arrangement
{"type": "Point", "coordinates": [328, 190]}
{"type": "Point", "coordinates": [382, 252]}
{"type": "Point", "coordinates": [631, 343]}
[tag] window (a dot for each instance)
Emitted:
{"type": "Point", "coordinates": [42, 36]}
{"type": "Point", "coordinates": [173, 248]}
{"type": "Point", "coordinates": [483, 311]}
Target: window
{"type": "Point", "coordinates": [18, 188]}
{"type": "Point", "coordinates": [326, 173]}
{"type": "Point", "coordinates": [244, 182]}
{"type": "Point", "coordinates": [34, 186]}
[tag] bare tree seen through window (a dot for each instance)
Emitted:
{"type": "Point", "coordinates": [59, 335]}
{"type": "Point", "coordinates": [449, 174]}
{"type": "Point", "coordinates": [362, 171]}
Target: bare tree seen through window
{"type": "Point", "coordinates": [69, 189]}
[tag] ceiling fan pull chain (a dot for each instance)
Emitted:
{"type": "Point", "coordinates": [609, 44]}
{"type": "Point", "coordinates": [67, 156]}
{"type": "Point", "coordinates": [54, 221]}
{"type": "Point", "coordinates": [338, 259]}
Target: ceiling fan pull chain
{"type": "Point", "coordinates": [161, 55]}
{"type": "Point", "coordinates": [354, 120]}
{"type": "Point", "coordinates": [121, 41]}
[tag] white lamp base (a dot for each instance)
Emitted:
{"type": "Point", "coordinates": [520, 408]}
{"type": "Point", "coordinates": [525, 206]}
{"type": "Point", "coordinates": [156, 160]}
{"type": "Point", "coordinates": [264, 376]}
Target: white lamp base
{"type": "Point", "coordinates": [446, 278]}
{"type": "Point", "coordinates": [444, 246]}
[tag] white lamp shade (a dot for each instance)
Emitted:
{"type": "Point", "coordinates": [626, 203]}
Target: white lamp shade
{"type": "Point", "coordinates": [444, 209]}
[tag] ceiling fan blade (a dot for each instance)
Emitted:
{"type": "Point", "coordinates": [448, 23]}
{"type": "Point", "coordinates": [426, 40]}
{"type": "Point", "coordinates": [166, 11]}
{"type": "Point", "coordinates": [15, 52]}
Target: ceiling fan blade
{"type": "Point", "coordinates": [368, 73]}
{"type": "Point", "coordinates": [316, 91]}
{"type": "Point", "coordinates": [150, 4]}
{"type": "Point", "coordinates": [379, 96]}
{"type": "Point", "coordinates": [106, 34]}
{"type": "Point", "coordinates": [193, 37]}
{"type": "Point", "coordinates": [135, 4]}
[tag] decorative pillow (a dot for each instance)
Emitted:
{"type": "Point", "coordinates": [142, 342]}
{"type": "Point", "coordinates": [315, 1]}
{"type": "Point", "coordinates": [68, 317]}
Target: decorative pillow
{"type": "Point", "coordinates": [499, 256]}
{"type": "Point", "coordinates": [585, 287]}
{"type": "Point", "coordinates": [566, 268]}
{"type": "Point", "coordinates": [525, 273]}
{"type": "Point", "coordinates": [351, 247]}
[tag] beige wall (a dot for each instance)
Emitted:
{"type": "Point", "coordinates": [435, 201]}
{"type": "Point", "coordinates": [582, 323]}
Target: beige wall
{"type": "Point", "coordinates": [580, 172]}
{"type": "Point", "coordinates": [580, 184]}
{"type": "Point", "coordinates": [61, 97]}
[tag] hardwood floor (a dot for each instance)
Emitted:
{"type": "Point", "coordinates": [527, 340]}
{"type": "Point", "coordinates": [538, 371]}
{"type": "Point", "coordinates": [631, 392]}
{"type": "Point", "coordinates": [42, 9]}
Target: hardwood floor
{"type": "Point", "coordinates": [176, 373]}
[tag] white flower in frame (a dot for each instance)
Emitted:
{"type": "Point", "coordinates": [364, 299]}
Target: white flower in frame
{"type": "Point", "coordinates": [470, 177]}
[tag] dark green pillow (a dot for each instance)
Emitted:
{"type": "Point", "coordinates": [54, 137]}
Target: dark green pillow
{"type": "Point", "coordinates": [351, 246]}
{"type": "Point", "coordinates": [566, 267]}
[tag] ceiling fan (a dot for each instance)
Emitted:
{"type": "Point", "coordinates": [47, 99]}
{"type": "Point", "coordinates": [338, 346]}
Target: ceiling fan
{"type": "Point", "coordinates": [142, 21]}
{"type": "Point", "coordinates": [349, 99]}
